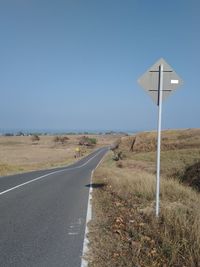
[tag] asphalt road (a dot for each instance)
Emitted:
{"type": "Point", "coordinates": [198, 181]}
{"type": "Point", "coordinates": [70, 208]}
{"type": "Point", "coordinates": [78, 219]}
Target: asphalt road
{"type": "Point", "coordinates": [43, 213]}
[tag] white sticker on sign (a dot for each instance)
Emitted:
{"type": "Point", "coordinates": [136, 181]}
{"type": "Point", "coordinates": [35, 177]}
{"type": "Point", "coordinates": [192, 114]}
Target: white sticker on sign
{"type": "Point", "coordinates": [174, 81]}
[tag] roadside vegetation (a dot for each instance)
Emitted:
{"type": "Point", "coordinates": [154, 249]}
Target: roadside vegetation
{"type": "Point", "coordinates": [35, 139]}
{"type": "Point", "coordinates": [87, 141]}
{"type": "Point", "coordinates": [26, 153]}
{"type": "Point", "coordinates": [61, 139]}
{"type": "Point", "coordinates": [124, 230]}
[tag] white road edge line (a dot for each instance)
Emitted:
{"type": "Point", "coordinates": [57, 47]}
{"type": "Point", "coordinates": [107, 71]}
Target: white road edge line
{"type": "Point", "coordinates": [48, 174]}
{"type": "Point", "coordinates": [84, 262]}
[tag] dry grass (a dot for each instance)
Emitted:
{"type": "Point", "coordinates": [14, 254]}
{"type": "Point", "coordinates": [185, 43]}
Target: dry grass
{"type": "Point", "coordinates": [19, 154]}
{"type": "Point", "coordinates": [124, 231]}
{"type": "Point", "coordinates": [180, 148]}
{"type": "Point", "coordinates": [171, 140]}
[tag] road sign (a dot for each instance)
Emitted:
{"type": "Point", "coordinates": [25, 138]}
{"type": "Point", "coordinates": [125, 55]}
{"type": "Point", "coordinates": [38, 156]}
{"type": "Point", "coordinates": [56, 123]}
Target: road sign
{"type": "Point", "coordinates": [150, 80]}
{"type": "Point", "coordinates": [159, 82]}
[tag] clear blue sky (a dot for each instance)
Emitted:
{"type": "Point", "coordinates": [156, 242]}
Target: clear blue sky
{"type": "Point", "coordinates": [74, 64]}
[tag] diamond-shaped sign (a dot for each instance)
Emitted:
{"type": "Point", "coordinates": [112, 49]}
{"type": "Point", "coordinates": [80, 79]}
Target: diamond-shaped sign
{"type": "Point", "coordinates": [150, 80]}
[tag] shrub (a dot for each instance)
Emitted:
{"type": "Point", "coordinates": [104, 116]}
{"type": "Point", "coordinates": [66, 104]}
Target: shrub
{"type": "Point", "coordinates": [56, 139]}
{"type": "Point", "coordinates": [93, 141]}
{"type": "Point", "coordinates": [192, 176]}
{"type": "Point", "coordinates": [87, 141]}
{"type": "Point", "coordinates": [116, 144]}
{"type": "Point", "coordinates": [35, 138]}
{"type": "Point", "coordinates": [117, 155]}
{"type": "Point", "coordinates": [61, 139]}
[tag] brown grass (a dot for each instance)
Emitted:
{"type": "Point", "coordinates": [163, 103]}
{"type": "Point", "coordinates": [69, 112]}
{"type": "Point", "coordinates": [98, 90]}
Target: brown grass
{"type": "Point", "coordinates": [171, 140]}
{"type": "Point", "coordinates": [19, 154]}
{"type": "Point", "coordinates": [124, 231]}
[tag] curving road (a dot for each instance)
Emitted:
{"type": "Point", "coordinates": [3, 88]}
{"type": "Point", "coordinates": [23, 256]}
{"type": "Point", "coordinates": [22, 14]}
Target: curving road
{"type": "Point", "coordinates": [43, 213]}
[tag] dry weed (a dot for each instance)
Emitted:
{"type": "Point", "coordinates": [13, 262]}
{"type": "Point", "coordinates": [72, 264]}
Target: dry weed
{"type": "Point", "coordinates": [19, 154]}
{"type": "Point", "coordinates": [125, 231]}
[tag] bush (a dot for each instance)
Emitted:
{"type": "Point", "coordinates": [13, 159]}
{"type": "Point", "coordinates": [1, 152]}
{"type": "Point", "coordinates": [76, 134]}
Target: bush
{"type": "Point", "coordinates": [56, 139]}
{"type": "Point", "coordinates": [61, 139]}
{"type": "Point", "coordinates": [191, 176]}
{"type": "Point", "coordinates": [117, 155]}
{"type": "Point", "coordinates": [35, 138]}
{"type": "Point", "coordinates": [93, 141]}
{"type": "Point", "coordinates": [116, 144]}
{"type": "Point", "coordinates": [87, 141]}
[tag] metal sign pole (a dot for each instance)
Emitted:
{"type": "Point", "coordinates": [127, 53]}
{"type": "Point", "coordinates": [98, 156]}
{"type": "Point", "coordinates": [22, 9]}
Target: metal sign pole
{"type": "Point", "coordinates": [159, 89]}
{"type": "Point", "coordinates": [160, 93]}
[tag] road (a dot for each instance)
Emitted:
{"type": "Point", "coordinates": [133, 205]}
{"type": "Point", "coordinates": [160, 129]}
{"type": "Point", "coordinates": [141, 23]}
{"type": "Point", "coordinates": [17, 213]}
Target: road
{"type": "Point", "coordinates": [43, 213]}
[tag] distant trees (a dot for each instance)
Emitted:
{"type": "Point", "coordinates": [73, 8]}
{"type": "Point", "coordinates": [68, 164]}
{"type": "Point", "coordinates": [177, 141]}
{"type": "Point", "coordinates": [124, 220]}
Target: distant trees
{"type": "Point", "coordinates": [20, 134]}
{"type": "Point", "coordinates": [8, 134]}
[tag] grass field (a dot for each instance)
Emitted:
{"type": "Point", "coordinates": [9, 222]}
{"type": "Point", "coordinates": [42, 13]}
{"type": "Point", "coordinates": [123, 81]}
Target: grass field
{"type": "Point", "coordinates": [20, 154]}
{"type": "Point", "coordinates": [124, 230]}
